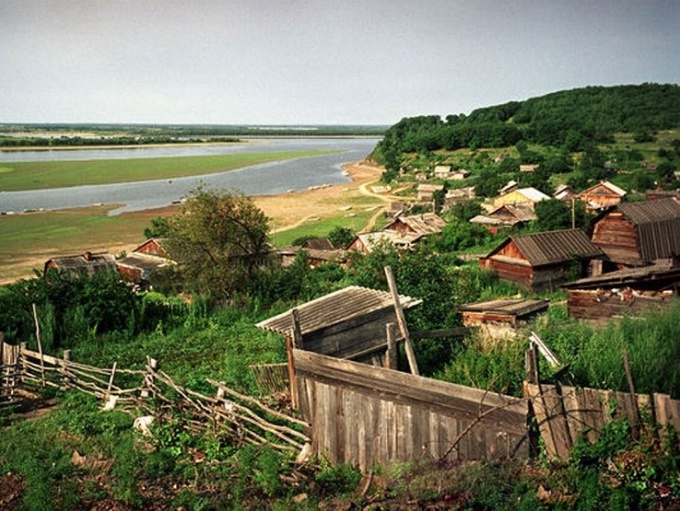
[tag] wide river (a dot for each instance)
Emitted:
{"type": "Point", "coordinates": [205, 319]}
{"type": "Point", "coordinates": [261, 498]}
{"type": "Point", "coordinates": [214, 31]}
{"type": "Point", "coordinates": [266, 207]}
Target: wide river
{"type": "Point", "coordinates": [266, 179]}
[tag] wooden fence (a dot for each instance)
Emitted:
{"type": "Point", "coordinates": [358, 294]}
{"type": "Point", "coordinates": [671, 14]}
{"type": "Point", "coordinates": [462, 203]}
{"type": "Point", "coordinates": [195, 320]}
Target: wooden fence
{"type": "Point", "coordinates": [367, 415]}
{"type": "Point", "coordinates": [565, 413]}
{"type": "Point", "coordinates": [152, 392]}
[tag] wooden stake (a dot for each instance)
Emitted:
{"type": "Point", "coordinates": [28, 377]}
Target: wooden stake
{"type": "Point", "coordinates": [401, 320]}
{"type": "Point", "coordinates": [40, 351]}
{"type": "Point", "coordinates": [633, 397]}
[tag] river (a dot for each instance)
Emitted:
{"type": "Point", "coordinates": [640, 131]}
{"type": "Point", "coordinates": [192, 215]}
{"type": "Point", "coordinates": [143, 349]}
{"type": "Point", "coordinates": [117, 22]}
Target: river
{"type": "Point", "coordinates": [266, 179]}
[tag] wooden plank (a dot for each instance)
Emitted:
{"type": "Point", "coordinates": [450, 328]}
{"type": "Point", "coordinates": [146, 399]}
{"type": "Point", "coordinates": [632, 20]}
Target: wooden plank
{"type": "Point", "coordinates": [667, 410]}
{"type": "Point", "coordinates": [466, 399]}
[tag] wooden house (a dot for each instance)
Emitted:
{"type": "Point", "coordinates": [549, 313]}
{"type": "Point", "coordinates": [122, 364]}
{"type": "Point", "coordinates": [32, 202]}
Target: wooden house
{"type": "Point", "coordinates": [507, 215]}
{"type": "Point", "coordinates": [349, 323]}
{"type": "Point", "coordinates": [520, 196]}
{"type": "Point", "coordinates": [315, 257]}
{"type": "Point", "coordinates": [83, 264]}
{"type": "Point", "coordinates": [542, 260]}
{"type": "Point", "coordinates": [420, 225]}
{"type": "Point", "coordinates": [426, 191]}
{"type": "Point", "coordinates": [602, 195]}
{"type": "Point", "coordinates": [626, 292]}
{"type": "Point", "coordinates": [638, 233]}
{"type": "Point", "coordinates": [143, 261]}
{"type": "Point", "coordinates": [501, 318]}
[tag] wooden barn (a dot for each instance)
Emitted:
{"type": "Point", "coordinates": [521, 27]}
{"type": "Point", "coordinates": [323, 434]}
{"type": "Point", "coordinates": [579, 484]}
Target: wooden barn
{"type": "Point", "coordinates": [602, 195]}
{"type": "Point", "coordinates": [630, 291]}
{"type": "Point", "coordinates": [638, 233]}
{"type": "Point", "coordinates": [349, 323]}
{"type": "Point", "coordinates": [369, 241]}
{"type": "Point", "coordinates": [542, 260]}
{"type": "Point", "coordinates": [83, 264]}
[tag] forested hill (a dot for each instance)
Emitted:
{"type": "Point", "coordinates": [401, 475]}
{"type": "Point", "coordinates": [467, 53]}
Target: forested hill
{"type": "Point", "coordinates": [569, 119]}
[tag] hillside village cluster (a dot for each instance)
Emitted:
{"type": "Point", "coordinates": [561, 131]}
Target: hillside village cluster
{"type": "Point", "coordinates": [626, 263]}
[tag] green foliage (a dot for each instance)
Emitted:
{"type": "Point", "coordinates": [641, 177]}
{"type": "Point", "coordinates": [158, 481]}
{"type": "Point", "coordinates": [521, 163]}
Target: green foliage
{"type": "Point", "coordinates": [220, 239]}
{"type": "Point", "coordinates": [158, 229]}
{"type": "Point", "coordinates": [337, 480]}
{"type": "Point", "coordinates": [554, 215]}
{"type": "Point", "coordinates": [341, 237]}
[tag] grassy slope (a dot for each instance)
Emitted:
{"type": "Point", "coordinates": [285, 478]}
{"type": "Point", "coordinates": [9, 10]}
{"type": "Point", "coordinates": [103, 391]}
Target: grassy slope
{"type": "Point", "coordinates": [58, 174]}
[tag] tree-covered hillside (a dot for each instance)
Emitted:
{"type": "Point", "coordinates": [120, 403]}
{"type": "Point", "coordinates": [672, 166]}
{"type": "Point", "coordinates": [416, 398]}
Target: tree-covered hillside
{"type": "Point", "coordinates": [568, 119]}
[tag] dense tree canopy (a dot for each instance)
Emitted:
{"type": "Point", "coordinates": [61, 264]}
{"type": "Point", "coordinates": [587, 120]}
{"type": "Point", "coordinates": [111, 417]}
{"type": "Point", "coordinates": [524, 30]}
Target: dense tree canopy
{"type": "Point", "coordinates": [220, 240]}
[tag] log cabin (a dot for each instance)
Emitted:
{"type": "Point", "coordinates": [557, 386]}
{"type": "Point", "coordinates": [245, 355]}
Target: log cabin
{"type": "Point", "coordinates": [638, 233]}
{"type": "Point", "coordinates": [543, 260]}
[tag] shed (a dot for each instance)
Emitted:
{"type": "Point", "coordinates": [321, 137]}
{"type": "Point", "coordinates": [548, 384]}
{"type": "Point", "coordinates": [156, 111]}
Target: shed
{"type": "Point", "coordinates": [85, 264]}
{"type": "Point", "coordinates": [602, 195]}
{"type": "Point", "coordinates": [349, 323]}
{"type": "Point", "coordinates": [638, 233]}
{"type": "Point", "coordinates": [629, 291]}
{"type": "Point", "coordinates": [442, 171]}
{"type": "Point", "coordinates": [542, 260]}
{"type": "Point", "coordinates": [501, 318]}
{"type": "Point", "coordinates": [564, 193]}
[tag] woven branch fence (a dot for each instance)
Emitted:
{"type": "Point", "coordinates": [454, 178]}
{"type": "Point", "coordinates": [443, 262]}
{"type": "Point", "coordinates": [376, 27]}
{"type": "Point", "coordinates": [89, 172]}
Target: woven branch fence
{"type": "Point", "coordinates": [244, 419]}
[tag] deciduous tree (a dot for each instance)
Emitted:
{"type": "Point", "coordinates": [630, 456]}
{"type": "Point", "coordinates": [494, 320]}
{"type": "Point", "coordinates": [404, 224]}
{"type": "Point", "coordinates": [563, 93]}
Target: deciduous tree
{"type": "Point", "coordinates": [220, 239]}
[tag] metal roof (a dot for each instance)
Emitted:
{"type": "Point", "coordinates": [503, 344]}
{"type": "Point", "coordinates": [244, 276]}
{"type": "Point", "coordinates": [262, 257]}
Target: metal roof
{"type": "Point", "coordinates": [334, 308]}
{"type": "Point", "coordinates": [552, 247]}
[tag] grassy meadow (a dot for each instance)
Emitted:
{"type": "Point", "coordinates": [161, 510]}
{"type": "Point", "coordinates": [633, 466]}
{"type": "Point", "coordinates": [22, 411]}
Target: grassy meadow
{"type": "Point", "coordinates": [19, 176]}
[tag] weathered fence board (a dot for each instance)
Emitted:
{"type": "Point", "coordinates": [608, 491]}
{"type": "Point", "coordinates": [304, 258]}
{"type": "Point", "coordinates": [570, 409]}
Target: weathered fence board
{"type": "Point", "coordinates": [565, 413]}
{"type": "Point", "coordinates": [366, 415]}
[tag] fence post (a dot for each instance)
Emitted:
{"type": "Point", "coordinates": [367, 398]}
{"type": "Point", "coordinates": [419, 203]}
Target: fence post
{"type": "Point", "coordinates": [23, 347]}
{"type": "Point", "coordinates": [65, 373]}
{"type": "Point", "coordinates": [149, 377]}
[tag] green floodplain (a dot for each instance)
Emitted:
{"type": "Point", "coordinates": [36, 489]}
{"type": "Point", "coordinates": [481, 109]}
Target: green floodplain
{"type": "Point", "coordinates": [27, 240]}
{"type": "Point", "coordinates": [20, 176]}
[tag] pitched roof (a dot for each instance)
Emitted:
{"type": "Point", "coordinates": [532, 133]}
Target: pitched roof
{"type": "Point", "coordinates": [427, 223]}
{"type": "Point", "coordinates": [142, 261]}
{"type": "Point", "coordinates": [318, 244]}
{"type": "Point", "coordinates": [88, 261]}
{"type": "Point", "coordinates": [533, 194]}
{"type": "Point", "coordinates": [541, 248]}
{"type": "Point", "coordinates": [612, 187]}
{"type": "Point", "coordinates": [334, 308]}
{"type": "Point", "coordinates": [658, 226]}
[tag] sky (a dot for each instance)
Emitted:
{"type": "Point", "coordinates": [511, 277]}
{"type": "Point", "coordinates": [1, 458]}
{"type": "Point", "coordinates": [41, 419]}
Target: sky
{"type": "Point", "coordinates": [298, 62]}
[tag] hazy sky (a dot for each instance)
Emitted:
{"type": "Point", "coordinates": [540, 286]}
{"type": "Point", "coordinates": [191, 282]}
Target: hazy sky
{"type": "Point", "coordinates": [317, 61]}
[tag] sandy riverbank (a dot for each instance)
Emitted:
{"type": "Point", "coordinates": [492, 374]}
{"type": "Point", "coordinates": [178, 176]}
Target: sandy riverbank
{"type": "Point", "coordinates": [286, 211]}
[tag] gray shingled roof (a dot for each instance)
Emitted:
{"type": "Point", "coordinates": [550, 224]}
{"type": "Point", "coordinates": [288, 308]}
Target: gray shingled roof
{"type": "Point", "coordinates": [658, 226]}
{"type": "Point", "coordinates": [552, 247]}
{"type": "Point", "coordinates": [334, 308]}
